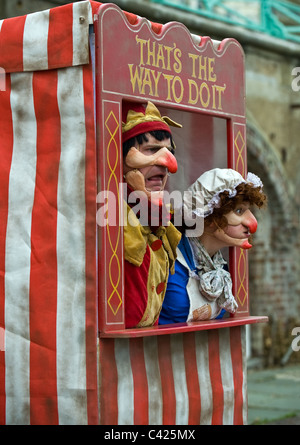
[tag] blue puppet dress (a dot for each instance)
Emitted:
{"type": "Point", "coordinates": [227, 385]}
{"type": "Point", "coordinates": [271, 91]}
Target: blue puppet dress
{"type": "Point", "coordinates": [200, 289]}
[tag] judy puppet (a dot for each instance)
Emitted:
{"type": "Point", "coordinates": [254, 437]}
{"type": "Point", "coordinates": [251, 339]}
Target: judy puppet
{"type": "Point", "coordinates": [201, 288]}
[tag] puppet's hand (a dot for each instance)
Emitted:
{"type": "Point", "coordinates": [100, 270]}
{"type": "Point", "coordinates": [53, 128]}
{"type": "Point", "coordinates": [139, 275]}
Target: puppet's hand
{"type": "Point", "coordinates": [202, 313]}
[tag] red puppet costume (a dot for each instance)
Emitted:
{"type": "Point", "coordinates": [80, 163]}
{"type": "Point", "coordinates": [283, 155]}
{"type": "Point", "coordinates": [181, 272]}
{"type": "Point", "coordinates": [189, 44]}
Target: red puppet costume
{"type": "Point", "coordinates": [150, 239]}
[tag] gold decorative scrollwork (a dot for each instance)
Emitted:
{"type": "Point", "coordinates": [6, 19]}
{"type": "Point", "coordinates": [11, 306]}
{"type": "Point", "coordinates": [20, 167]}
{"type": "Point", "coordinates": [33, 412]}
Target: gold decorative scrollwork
{"type": "Point", "coordinates": [242, 291]}
{"type": "Point", "coordinates": [112, 126]}
{"type": "Point", "coordinates": [241, 294]}
{"type": "Point", "coordinates": [239, 144]}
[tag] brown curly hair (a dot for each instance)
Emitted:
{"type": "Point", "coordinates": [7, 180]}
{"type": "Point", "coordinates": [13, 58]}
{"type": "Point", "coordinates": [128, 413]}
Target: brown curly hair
{"type": "Point", "coordinates": [245, 193]}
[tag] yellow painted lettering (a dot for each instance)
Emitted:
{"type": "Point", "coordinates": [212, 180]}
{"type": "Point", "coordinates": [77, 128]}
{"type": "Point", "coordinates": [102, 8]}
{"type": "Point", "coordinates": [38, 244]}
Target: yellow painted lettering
{"type": "Point", "coordinates": [141, 42]}
{"type": "Point", "coordinates": [202, 68]}
{"type": "Point", "coordinates": [177, 80]}
{"type": "Point", "coordinates": [178, 64]}
{"type": "Point", "coordinates": [136, 77]}
{"type": "Point", "coordinates": [204, 102]}
{"type": "Point", "coordinates": [151, 53]}
{"type": "Point", "coordinates": [194, 58]}
{"type": "Point", "coordinates": [147, 82]}
{"type": "Point", "coordinates": [156, 77]}
{"type": "Point", "coordinates": [214, 97]}
{"type": "Point", "coordinates": [193, 92]}
{"type": "Point", "coordinates": [168, 50]}
{"type": "Point", "coordinates": [160, 57]}
{"type": "Point", "coordinates": [211, 75]}
{"type": "Point", "coordinates": [168, 78]}
{"type": "Point", "coordinates": [220, 91]}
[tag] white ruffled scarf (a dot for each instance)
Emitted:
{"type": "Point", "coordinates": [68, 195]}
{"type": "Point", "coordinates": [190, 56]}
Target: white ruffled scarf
{"type": "Point", "coordinates": [215, 282]}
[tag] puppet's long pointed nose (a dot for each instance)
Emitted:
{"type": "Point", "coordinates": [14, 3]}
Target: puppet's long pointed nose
{"type": "Point", "coordinates": [250, 221]}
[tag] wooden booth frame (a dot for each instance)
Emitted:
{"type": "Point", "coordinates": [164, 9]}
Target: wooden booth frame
{"type": "Point", "coordinates": [131, 65]}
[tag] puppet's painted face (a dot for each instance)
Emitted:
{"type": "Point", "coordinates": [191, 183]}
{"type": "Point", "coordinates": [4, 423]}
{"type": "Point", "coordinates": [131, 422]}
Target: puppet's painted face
{"type": "Point", "coordinates": [241, 224]}
{"type": "Point", "coordinates": [146, 168]}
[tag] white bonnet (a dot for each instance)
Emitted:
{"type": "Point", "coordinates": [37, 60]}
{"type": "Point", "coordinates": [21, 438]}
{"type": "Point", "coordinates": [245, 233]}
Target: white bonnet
{"type": "Point", "coordinates": [207, 188]}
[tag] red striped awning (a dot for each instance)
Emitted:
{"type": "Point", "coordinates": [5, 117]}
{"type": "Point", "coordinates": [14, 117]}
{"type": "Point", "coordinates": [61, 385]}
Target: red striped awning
{"type": "Point", "coordinates": [53, 38]}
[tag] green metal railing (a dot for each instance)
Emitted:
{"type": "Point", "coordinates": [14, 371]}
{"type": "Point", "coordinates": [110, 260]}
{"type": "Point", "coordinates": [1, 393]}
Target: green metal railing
{"type": "Point", "coordinates": [277, 18]}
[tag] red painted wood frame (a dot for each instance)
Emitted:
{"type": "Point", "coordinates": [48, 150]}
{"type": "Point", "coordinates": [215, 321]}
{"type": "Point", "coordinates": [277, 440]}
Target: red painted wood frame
{"type": "Point", "coordinates": [177, 71]}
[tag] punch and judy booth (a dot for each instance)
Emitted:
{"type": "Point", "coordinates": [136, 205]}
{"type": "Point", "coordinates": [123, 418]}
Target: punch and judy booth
{"type": "Point", "coordinates": [66, 357]}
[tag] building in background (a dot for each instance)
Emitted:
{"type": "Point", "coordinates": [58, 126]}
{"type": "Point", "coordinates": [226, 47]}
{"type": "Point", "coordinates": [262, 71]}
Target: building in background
{"type": "Point", "coordinates": [269, 32]}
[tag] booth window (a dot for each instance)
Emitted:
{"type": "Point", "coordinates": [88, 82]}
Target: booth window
{"type": "Point", "coordinates": [201, 144]}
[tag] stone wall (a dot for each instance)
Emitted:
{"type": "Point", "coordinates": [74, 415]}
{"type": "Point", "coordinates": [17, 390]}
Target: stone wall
{"type": "Point", "coordinates": [273, 154]}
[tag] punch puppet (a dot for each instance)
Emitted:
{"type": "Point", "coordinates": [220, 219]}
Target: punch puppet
{"type": "Point", "coordinates": [150, 239]}
{"type": "Point", "coordinates": [201, 288]}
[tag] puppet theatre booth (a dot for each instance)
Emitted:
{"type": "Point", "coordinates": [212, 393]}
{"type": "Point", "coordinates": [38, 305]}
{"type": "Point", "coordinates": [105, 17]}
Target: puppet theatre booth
{"type": "Point", "coordinates": [66, 357]}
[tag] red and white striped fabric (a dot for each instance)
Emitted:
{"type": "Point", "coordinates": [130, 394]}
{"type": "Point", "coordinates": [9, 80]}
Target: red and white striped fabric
{"type": "Point", "coordinates": [180, 379]}
{"type": "Point", "coordinates": [48, 370]}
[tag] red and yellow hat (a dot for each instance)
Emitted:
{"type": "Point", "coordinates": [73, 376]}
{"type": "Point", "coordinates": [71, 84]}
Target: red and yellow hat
{"type": "Point", "coordinates": [136, 119]}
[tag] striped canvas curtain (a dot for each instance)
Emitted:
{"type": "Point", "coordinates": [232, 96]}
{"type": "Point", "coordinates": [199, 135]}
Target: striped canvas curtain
{"type": "Point", "coordinates": [48, 365]}
{"type": "Point", "coordinates": [196, 378]}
